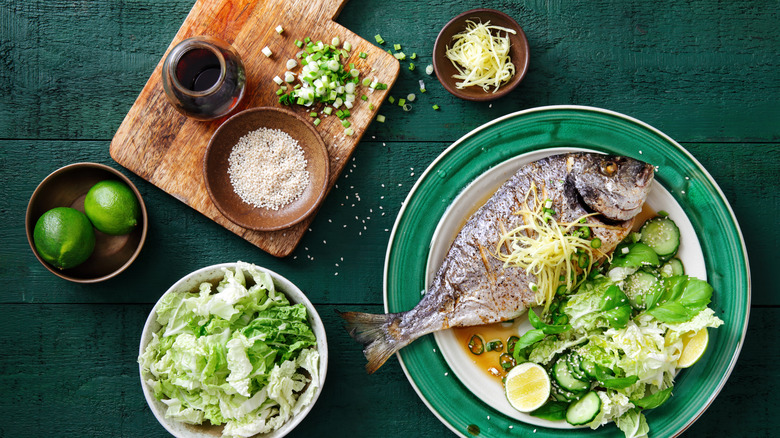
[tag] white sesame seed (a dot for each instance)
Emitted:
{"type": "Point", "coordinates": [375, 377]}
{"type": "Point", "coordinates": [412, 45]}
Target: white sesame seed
{"type": "Point", "coordinates": [267, 168]}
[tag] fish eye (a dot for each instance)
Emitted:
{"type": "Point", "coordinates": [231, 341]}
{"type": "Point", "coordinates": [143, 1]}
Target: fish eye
{"type": "Point", "coordinates": [608, 167]}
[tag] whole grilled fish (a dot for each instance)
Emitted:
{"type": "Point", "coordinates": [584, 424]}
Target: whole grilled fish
{"type": "Point", "coordinates": [472, 286]}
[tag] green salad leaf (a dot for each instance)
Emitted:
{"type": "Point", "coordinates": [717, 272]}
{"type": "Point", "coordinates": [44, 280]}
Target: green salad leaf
{"type": "Point", "coordinates": [241, 356]}
{"type": "Point", "coordinates": [681, 298]}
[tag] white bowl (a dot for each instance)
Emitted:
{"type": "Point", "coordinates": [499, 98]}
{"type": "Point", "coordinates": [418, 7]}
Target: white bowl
{"type": "Point", "coordinates": [190, 282]}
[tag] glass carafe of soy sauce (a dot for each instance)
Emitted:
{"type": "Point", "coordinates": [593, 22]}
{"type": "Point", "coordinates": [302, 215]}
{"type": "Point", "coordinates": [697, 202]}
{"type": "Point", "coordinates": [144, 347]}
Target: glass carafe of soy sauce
{"type": "Point", "coordinates": [203, 77]}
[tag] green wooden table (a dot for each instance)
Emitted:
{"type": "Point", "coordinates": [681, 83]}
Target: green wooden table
{"type": "Point", "coordinates": [705, 72]}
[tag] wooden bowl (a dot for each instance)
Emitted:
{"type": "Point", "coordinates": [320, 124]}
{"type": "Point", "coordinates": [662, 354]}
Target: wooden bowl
{"type": "Point", "coordinates": [67, 187]}
{"type": "Point", "coordinates": [217, 178]}
{"type": "Point", "coordinates": [445, 70]}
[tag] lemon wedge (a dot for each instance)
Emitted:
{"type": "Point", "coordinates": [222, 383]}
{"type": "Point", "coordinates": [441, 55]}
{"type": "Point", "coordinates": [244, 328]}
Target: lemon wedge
{"type": "Point", "coordinates": [527, 386]}
{"type": "Point", "coordinates": [694, 346]}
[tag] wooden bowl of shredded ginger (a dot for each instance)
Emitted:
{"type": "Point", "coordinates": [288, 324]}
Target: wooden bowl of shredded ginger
{"type": "Point", "coordinates": [481, 55]}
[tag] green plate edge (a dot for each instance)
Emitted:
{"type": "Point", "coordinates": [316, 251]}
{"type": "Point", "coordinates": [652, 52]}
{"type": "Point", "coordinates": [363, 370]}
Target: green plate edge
{"type": "Point", "coordinates": [585, 127]}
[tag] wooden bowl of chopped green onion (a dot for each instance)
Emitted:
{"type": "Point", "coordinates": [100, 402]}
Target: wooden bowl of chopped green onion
{"type": "Point", "coordinates": [266, 168]}
{"type": "Point", "coordinates": [481, 55]}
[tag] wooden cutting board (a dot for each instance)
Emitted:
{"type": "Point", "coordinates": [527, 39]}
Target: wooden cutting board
{"type": "Point", "coordinates": [166, 148]}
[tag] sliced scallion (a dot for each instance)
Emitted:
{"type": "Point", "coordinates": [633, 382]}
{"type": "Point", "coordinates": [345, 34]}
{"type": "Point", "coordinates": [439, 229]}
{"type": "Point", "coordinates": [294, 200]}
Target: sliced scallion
{"type": "Point", "coordinates": [476, 345]}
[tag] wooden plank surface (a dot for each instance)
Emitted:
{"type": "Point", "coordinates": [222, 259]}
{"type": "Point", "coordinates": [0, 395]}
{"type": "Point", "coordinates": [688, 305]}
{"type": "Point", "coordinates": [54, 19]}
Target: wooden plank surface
{"type": "Point", "coordinates": [166, 148]}
{"type": "Point", "coordinates": [84, 381]}
{"type": "Point", "coordinates": [705, 72]}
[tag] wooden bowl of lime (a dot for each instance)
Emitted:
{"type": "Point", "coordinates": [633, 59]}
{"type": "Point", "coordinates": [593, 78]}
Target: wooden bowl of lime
{"type": "Point", "coordinates": [86, 222]}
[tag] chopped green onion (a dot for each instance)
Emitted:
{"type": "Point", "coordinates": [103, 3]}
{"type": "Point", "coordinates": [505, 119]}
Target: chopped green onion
{"type": "Point", "coordinates": [279, 29]}
{"type": "Point", "coordinates": [328, 110]}
{"type": "Point", "coordinates": [391, 99]}
{"type": "Point", "coordinates": [345, 123]}
{"type": "Point", "coordinates": [411, 66]}
{"type": "Point", "coordinates": [411, 97]}
{"type": "Point", "coordinates": [278, 80]}
{"type": "Point", "coordinates": [363, 55]}
{"type": "Point", "coordinates": [429, 69]}
{"type": "Point", "coordinates": [507, 361]}
{"type": "Point", "coordinates": [414, 55]}
{"type": "Point", "coordinates": [299, 43]}
{"type": "Point", "coordinates": [280, 91]}
{"type": "Point", "coordinates": [349, 131]}
{"type": "Point", "coordinates": [400, 56]}
{"type": "Point", "coordinates": [380, 118]}
{"type": "Point", "coordinates": [291, 64]}
{"type": "Point", "coordinates": [476, 345]}
{"type": "Point", "coordinates": [401, 102]}
{"type": "Point", "coordinates": [397, 47]}
{"type": "Point", "coordinates": [379, 39]}
{"type": "Point", "coordinates": [364, 97]}
{"type": "Point", "coordinates": [494, 345]}
{"type": "Point", "coordinates": [267, 52]}
{"type": "Point", "coordinates": [407, 107]}
{"type": "Point", "coordinates": [313, 114]}
{"type": "Point", "coordinates": [422, 86]}
{"type": "Point", "coordinates": [371, 106]}
{"type": "Point", "coordinates": [316, 122]}
{"type": "Point", "coordinates": [335, 41]}
{"type": "Point", "coordinates": [436, 107]}
{"type": "Point", "coordinates": [347, 46]}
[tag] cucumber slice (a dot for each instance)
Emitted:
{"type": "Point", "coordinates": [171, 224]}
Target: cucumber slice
{"type": "Point", "coordinates": [584, 410]}
{"type": "Point", "coordinates": [662, 235]}
{"type": "Point", "coordinates": [563, 376]}
{"type": "Point", "coordinates": [637, 285]}
{"type": "Point", "coordinates": [589, 367]}
{"type": "Point", "coordinates": [573, 361]}
{"type": "Point", "coordinates": [564, 395]}
{"type": "Point", "coordinates": [671, 268]}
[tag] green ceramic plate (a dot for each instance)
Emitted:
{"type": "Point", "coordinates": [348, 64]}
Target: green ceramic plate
{"type": "Point", "coordinates": [579, 127]}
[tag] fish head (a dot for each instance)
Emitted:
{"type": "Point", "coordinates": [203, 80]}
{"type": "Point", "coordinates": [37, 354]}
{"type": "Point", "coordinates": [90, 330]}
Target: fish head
{"type": "Point", "coordinates": [614, 186]}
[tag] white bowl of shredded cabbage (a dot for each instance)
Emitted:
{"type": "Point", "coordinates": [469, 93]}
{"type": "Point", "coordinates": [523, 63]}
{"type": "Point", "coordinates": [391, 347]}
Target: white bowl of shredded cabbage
{"type": "Point", "coordinates": [232, 350]}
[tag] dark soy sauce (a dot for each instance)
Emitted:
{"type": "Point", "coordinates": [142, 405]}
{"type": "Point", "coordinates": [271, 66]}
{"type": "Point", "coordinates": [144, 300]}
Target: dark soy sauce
{"type": "Point", "coordinates": [198, 69]}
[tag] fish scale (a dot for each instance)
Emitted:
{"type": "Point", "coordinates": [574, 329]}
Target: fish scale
{"type": "Point", "coordinates": [472, 286]}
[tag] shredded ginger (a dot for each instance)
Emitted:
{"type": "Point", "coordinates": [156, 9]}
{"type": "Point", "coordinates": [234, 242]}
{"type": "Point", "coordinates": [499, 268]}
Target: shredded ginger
{"type": "Point", "coordinates": [545, 248]}
{"type": "Point", "coordinates": [481, 57]}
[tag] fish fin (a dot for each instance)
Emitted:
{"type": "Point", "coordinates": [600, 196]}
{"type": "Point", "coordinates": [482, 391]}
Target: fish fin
{"type": "Point", "coordinates": [371, 330]}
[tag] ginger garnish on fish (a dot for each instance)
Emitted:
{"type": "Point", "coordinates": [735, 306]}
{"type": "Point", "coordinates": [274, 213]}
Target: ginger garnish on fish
{"type": "Point", "coordinates": [549, 250]}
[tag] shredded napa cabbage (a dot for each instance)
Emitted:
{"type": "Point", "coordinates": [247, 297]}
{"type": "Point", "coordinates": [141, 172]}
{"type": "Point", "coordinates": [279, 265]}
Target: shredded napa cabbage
{"type": "Point", "coordinates": [242, 357]}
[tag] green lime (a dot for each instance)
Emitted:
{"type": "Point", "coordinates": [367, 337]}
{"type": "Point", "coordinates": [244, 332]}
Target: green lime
{"type": "Point", "coordinates": [64, 237]}
{"type": "Point", "coordinates": [112, 207]}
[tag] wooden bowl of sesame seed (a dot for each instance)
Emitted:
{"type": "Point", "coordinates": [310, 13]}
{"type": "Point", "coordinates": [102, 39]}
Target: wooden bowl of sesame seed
{"type": "Point", "coordinates": [266, 168]}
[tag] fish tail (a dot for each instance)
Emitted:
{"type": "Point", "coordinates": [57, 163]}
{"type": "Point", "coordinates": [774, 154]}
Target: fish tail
{"type": "Point", "coordinates": [375, 332]}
